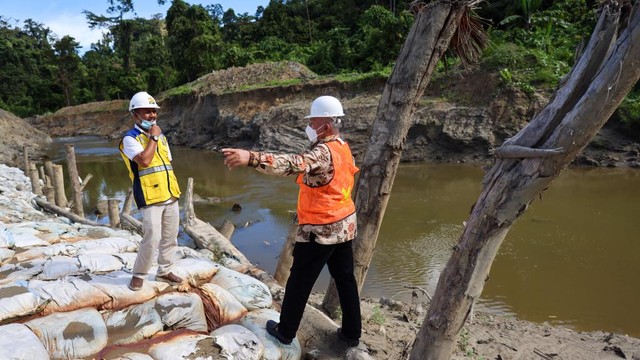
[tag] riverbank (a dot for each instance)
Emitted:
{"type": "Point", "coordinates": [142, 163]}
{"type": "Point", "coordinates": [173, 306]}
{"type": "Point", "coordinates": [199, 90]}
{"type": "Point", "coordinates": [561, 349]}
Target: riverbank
{"type": "Point", "coordinates": [389, 326]}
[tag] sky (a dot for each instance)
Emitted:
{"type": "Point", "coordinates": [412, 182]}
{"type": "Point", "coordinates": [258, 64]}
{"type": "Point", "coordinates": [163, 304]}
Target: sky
{"type": "Point", "coordinates": [65, 17]}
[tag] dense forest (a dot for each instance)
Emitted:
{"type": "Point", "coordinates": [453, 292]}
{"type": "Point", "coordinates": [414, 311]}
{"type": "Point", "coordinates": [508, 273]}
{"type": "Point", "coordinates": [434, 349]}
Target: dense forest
{"type": "Point", "coordinates": [532, 44]}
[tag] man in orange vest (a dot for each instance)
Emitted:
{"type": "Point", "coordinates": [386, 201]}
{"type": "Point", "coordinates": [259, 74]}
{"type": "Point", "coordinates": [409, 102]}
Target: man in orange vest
{"type": "Point", "coordinates": [326, 218]}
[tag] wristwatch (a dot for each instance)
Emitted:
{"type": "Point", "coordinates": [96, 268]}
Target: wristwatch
{"type": "Point", "coordinates": [155, 138]}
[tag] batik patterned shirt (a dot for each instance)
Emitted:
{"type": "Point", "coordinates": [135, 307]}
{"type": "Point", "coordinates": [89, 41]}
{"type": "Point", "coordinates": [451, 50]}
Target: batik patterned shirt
{"type": "Point", "coordinates": [316, 168]}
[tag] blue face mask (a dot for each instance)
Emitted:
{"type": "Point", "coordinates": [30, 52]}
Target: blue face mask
{"type": "Point", "coordinates": [146, 124]}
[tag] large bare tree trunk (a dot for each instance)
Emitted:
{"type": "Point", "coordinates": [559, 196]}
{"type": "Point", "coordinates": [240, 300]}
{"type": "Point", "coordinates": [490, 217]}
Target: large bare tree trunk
{"type": "Point", "coordinates": [526, 165]}
{"type": "Point", "coordinates": [426, 42]}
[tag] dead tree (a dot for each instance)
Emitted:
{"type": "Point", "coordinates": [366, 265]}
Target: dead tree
{"type": "Point", "coordinates": [428, 39]}
{"type": "Point", "coordinates": [526, 165]}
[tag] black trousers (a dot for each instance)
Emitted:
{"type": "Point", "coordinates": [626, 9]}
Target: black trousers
{"type": "Point", "coordinates": [308, 261]}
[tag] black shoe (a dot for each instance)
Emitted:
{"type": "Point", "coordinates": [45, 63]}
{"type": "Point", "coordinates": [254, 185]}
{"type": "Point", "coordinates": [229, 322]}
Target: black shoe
{"type": "Point", "coordinates": [347, 340]}
{"type": "Point", "coordinates": [272, 329]}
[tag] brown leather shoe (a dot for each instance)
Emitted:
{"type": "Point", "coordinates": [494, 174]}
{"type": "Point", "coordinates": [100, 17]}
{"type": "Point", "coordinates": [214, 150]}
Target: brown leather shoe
{"type": "Point", "coordinates": [136, 283]}
{"type": "Point", "coordinates": [170, 278]}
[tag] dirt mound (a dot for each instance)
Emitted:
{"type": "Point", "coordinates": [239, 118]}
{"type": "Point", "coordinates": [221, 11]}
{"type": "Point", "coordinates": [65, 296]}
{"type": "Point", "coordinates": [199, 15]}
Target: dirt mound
{"type": "Point", "coordinates": [255, 75]}
{"type": "Point", "coordinates": [95, 107]}
{"type": "Point", "coordinates": [15, 134]}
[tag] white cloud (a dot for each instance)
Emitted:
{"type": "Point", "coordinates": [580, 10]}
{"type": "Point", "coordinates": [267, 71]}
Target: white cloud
{"type": "Point", "coordinates": [75, 26]}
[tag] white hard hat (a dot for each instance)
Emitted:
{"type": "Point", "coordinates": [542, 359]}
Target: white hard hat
{"type": "Point", "coordinates": [325, 106]}
{"type": "Point", "coordinates": [142, 100]}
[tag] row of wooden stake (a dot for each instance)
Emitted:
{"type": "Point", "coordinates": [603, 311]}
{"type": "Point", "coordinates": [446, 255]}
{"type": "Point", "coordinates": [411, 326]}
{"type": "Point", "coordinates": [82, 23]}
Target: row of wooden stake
{"type": "Point", "coordinates": [52, 176]}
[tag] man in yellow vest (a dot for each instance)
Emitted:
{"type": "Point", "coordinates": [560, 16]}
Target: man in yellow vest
{"type": "Point", "coordinates": [146, 154]}
{"type": "Point", "coordinates": [326, 218]}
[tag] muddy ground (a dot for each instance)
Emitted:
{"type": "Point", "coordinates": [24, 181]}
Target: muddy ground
{"type": "Point", "coordinates": [390, 327]}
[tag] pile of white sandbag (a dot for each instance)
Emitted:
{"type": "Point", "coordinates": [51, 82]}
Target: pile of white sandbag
{"type": "Point", "coordinates": [64, 295]}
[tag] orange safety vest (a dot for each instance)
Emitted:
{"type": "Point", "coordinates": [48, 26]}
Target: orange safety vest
{"type": "Point", "coordinates": [331, 202]}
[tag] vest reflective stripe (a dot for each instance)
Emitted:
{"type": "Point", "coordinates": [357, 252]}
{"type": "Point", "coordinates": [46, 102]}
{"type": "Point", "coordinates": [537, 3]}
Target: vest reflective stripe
{"type": "Point", "coordinates": [155, 183]}
{"type": "Point", "coordinates": [154, 169]}
{"type": "Point", "coordinates": [332, 202]}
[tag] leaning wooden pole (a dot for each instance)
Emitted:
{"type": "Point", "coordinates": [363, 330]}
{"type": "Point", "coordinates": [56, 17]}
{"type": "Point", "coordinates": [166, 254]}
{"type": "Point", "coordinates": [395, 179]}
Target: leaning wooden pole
{"type": "Point", "coordinates": [285, 260]}
{"type": "Point", "coordinates": [526, 166]}
{"type": "Point", "coordinates": [63, 212]}
{"type": "Point", "coordinates": [72, 166]}
{"type": "Point", "coordinates": [426, 42]}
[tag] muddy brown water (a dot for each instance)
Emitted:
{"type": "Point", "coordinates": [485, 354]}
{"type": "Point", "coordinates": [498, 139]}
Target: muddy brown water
{"type": "Point", "coordinates": [573, 259]}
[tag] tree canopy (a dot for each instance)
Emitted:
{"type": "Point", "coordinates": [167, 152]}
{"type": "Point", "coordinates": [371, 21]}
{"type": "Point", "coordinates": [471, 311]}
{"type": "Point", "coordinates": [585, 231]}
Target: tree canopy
{"type": "Point", "coordinates": [532, 44]}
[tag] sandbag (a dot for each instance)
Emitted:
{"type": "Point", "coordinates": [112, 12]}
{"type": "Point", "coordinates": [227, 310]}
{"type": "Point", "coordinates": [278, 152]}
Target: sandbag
{"type": "Point", "coordinates": [251, 293]}
{"type": "Point", "coordinates": [24, 271]}
{"type": "Point", "coordinates": [25, 236]}
{"type": "Point", "coordinates": [132, 324]}
{"type": "Point", "coordinates": [256, 321]}
{"type": "Point", "coordinates": [16, 300]}
{"type": "Point", "coordinates": [18, 342]}
{"type": "Point", "coordinates": [88, 329]}
{"type": "Point", "coordinates": [44, 252]}
{"type": "Point", "coordinates": [238, 342]}
{"type": "Point", "coordinates": [181, 310]}
{"type": "Point", "coordinates": [6, 238]}
{"type": "Point", "coordinates": [6, 255]}
{"type": "Point", "coordinates": [186, 347]}
{"type": "Point", "coordinates": [116, 286]}
{"type": "Point", "coordinates": [110, 245]}
{"type": "Point", "coordinates": [194, 269]}
{"type": "Point", "coordinates": [128, 259]}
{"type": "Point", "coordinates": [226, 308]}
{"type": "Point", "coordinates": [68, 294]}
{"type": "Point", "coordinates": [100, 263]}
{"type": "Point", "coordinates": [59, 266]}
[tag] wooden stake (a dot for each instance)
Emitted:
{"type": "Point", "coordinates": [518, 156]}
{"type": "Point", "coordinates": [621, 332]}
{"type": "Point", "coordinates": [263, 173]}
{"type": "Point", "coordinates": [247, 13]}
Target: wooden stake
{"type": "Point", "coordinates": [25, 160]}
{"type": "Point", "coordinates": [114, 212]}
{"type": "Point", "coordinates": [35, 180]}
{"type": "Point", "coordinates": [126, 207]}
{"type": "Point", "coordinates": [227, 229]}
{"type": "Point", "coordinates": [78, 207]}
{"type": "Point", "coordinates": [58, 185]}
{"type": "Point", "coordinates": [42, 175]}
{"type": "Point", "coordinates": [50, 194]}
{"type": "Point", "coordinates": [48, 170]}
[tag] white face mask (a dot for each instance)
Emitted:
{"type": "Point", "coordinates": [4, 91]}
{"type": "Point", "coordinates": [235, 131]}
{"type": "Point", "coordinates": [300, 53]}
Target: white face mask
{"type": "Point", "coordinates": [311, 134]}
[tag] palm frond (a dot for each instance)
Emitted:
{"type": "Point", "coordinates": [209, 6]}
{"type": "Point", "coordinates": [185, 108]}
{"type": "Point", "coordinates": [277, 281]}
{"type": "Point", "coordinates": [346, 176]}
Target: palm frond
{"type": "Point", "coordinates": [470, 38]}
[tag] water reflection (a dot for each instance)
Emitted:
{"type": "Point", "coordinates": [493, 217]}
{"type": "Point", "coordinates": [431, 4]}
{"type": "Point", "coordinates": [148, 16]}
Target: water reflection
{"type": "Point", "coordinates": [571, 259]}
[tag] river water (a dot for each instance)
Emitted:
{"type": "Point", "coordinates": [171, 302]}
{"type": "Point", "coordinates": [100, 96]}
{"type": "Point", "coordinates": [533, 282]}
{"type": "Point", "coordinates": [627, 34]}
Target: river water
{"type": "Point", "coordinates": [573, 259]}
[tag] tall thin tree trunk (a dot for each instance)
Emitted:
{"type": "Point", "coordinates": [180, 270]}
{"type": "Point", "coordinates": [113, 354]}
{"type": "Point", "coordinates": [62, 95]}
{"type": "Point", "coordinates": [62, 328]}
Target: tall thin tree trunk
{"type": "Point", "coordinates": [426, 42]}
{"type": "Point", "coordinates": [527, 164]}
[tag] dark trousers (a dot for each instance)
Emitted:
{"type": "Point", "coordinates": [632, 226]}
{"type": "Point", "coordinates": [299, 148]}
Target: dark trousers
{"type": "Point", "coordinates": [308, 261]}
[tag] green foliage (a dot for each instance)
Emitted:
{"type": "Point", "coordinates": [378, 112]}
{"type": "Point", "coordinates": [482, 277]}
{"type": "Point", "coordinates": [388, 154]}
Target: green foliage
{"type": "Point", "coordinates": [532, 47]}
{"type": "Point", "coordinates": [629, 111]}
{"type": "Point", "coordinates": [179, 91]}
{"type": "Point", "coordinates": [377, 317]}
{"type": "Point", "coordinates": [538, 52]}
